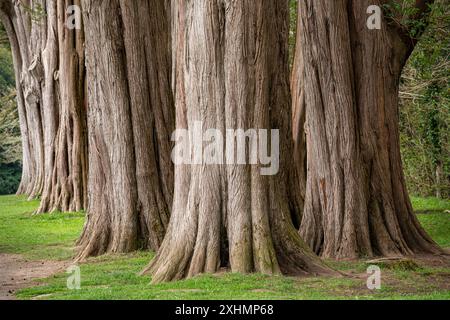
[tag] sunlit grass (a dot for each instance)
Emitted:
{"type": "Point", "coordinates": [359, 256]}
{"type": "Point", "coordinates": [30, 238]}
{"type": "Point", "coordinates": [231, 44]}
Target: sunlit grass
{"type": "Point", "coordinates": [47, 236]}
{"type": "Point", "coordinates": [51, 237]}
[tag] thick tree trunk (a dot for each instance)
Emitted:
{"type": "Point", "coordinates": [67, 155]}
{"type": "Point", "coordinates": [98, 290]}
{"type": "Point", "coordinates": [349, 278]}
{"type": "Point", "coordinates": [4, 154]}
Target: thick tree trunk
{"type": "Point", "coordinates": [356, 203]}
{"type": "Point", "coordinates": [49, 65]}
{"type": "Point", "coordinates": [131, 118]}
{"type": "Point", "coordinates": [66, 179]}
{"type": "Point", "coordinates": [6, 16]}
{"type": "Point", "coordinates": [232, 73]}
{"type": "Point", "coordinates": [27, 43]}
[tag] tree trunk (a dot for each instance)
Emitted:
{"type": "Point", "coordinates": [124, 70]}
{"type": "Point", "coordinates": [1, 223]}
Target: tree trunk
{"type": "Point", "coordinates": [27, 43]}
{"type": "Point", "coordinates": [356, 202]}
{"type": "Point", "coordinates": [130, 120]}
{"type": "Point", "coordinates": [299, 117]}
{"type": "Point", "coordinates": [49, 65]}
{"type": "Point", "coordinates": [232, 73]}
{"type": "Point", "coordinates": [66, 180]}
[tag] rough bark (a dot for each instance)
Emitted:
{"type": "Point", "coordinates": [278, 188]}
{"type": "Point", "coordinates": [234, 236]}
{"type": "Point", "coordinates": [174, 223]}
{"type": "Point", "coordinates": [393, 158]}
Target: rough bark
{"type": "Point", "coordinates": [49, 66]}
{"type": "Point", "coordinates": [66, 180]}
{"type": "Point", "coordinates": [232, 73]}
{"type": "Point", "coordinates": [356, 203]}
{"type": "Point", "coordinates": [130, 120]}
{"type": "Point", "coordinates": [26, 44]}
{"type": "Point", "coordinates": [299, 117]}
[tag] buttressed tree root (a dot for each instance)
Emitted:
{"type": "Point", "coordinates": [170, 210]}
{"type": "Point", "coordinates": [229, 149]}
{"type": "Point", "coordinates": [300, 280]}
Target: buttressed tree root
{"type": "Point", "coordinates": [49, 69]}
{"type": "Point", "coordinates": [356, 203]}
{"type": "Point", "coordinates": [131, 118]}
{"type": "Point", "coordinates": [231, 215]}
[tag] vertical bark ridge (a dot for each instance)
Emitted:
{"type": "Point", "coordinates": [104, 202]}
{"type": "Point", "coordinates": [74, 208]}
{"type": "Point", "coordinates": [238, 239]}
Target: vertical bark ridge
{"type": "Point", "coordinates": [131, 118]}
{"type": "Point", "coordinates": [231, 73]}
{"type": "Point", "coordinates": [356, 199]}
{"type": "Point", "coordinates": [49, 66]}
{"type": "Point", "coordinates": [66, 180]}
{"type": "Point", "coordinates": [24, 35]}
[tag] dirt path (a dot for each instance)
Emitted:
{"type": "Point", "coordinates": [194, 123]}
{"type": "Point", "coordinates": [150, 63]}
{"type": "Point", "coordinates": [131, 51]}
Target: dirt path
{"type": "Point", "coordinates": [17, 273]}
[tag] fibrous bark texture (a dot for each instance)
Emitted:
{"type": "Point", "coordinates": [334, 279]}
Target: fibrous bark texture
{"type": "Point", "coordinates": [49, 66]}
{"type": "Point", "coordinates": [65, 188]}
{"type": "Point", "coordinates": [27, 45]}
{"type": "Point", "coordinates": [232, 70]}
{"type": "Point", "coordinates": [356, 201]}
{"type": "Point", "coordinates": [130, 120]}
{"type": "Point", "coordinates": [299, 118]}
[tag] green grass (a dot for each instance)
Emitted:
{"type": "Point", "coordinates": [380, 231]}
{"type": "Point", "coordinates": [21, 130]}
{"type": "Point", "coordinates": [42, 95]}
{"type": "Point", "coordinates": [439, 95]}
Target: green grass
{"type": "Point", "coordinates": [434, 214]}
{"type": "Point", "coordinates": [118, 278]}
{"type": "Point", "coordinates": [438, 227]}
{"type": "Point", "coordinates": [48, 236]}
{"type": "Point", "coordinates": [430, 205]}
{"type": "Point", "coordinates": [52, 237]}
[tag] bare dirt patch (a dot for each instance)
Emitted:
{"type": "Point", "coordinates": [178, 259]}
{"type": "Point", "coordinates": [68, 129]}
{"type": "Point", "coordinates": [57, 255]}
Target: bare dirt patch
{"type": "Point", "coordinates": [17, 273]}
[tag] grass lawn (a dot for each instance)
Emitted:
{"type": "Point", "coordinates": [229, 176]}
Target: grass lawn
{"type": "Point", "coordinates": [47, 237]}
{"type": "Point", "coordinates": [51, 237]}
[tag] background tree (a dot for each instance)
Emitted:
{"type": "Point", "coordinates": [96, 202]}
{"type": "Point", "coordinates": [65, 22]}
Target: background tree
{"type": "Point", "coordinates": [298, 100]}
{"type": "Point", "coordinates": [130, 122]}
{"type": "Point", "coordinates": [66, 185]}
{"type": "Point", "coordinates": [356, 199]}
{"type": "Point", "coordinates": [24, 36]}
{"type": "Point", "coordinates": [48, 63]}
{"type": "Point", "coordinates": [231, 215]}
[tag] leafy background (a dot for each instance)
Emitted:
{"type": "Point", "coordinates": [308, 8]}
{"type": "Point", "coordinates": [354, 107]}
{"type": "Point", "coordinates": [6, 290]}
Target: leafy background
{"type": "Point", "coordinates": [10, 144]}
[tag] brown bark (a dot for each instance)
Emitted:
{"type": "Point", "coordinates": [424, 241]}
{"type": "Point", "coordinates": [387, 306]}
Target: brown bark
{"type": "Point", "coordinates": [232, 73]}
{"type": "Point", "coordinates": [299, 118]}
{"type": "Point", "coordinates": [26, 44]}
{"type": "Point", "coordinates": [66, 180]}
{"type": "Point", "coordinates": [356, 203]}
{"type": "Point", "coordinates": [49, 66]}
{"type": "Point", "coordinates": [130, 120]}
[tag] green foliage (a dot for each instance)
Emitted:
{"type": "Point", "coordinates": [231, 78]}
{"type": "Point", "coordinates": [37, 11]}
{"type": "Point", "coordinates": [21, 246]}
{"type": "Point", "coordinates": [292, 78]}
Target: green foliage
{"type": "Point", "coordinates": [425, 109]}
{"type": "Point", "coordinates": [10, 142]}
{"type": "Point", "coordinates": [6, 71]}
{"type": "Point", "coordinates": [10, 145]}
{"type": "Point", "coordinates": [6, 65]}
{"type": "Point", "coordinates": [293, 12]}
{"type": "Point", "coordinates": [9, 178]}
{"type": "Point", "coordinates": [406, 16]}
{"type": "Point", "coordinates": [36, 11]}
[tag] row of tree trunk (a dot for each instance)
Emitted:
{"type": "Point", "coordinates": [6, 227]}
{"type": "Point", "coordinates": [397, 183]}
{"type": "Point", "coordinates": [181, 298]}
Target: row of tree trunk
{"type": "Point", "coordinates": [50, 80]}
{"type": "Point", "coordinates": [98, 106]}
